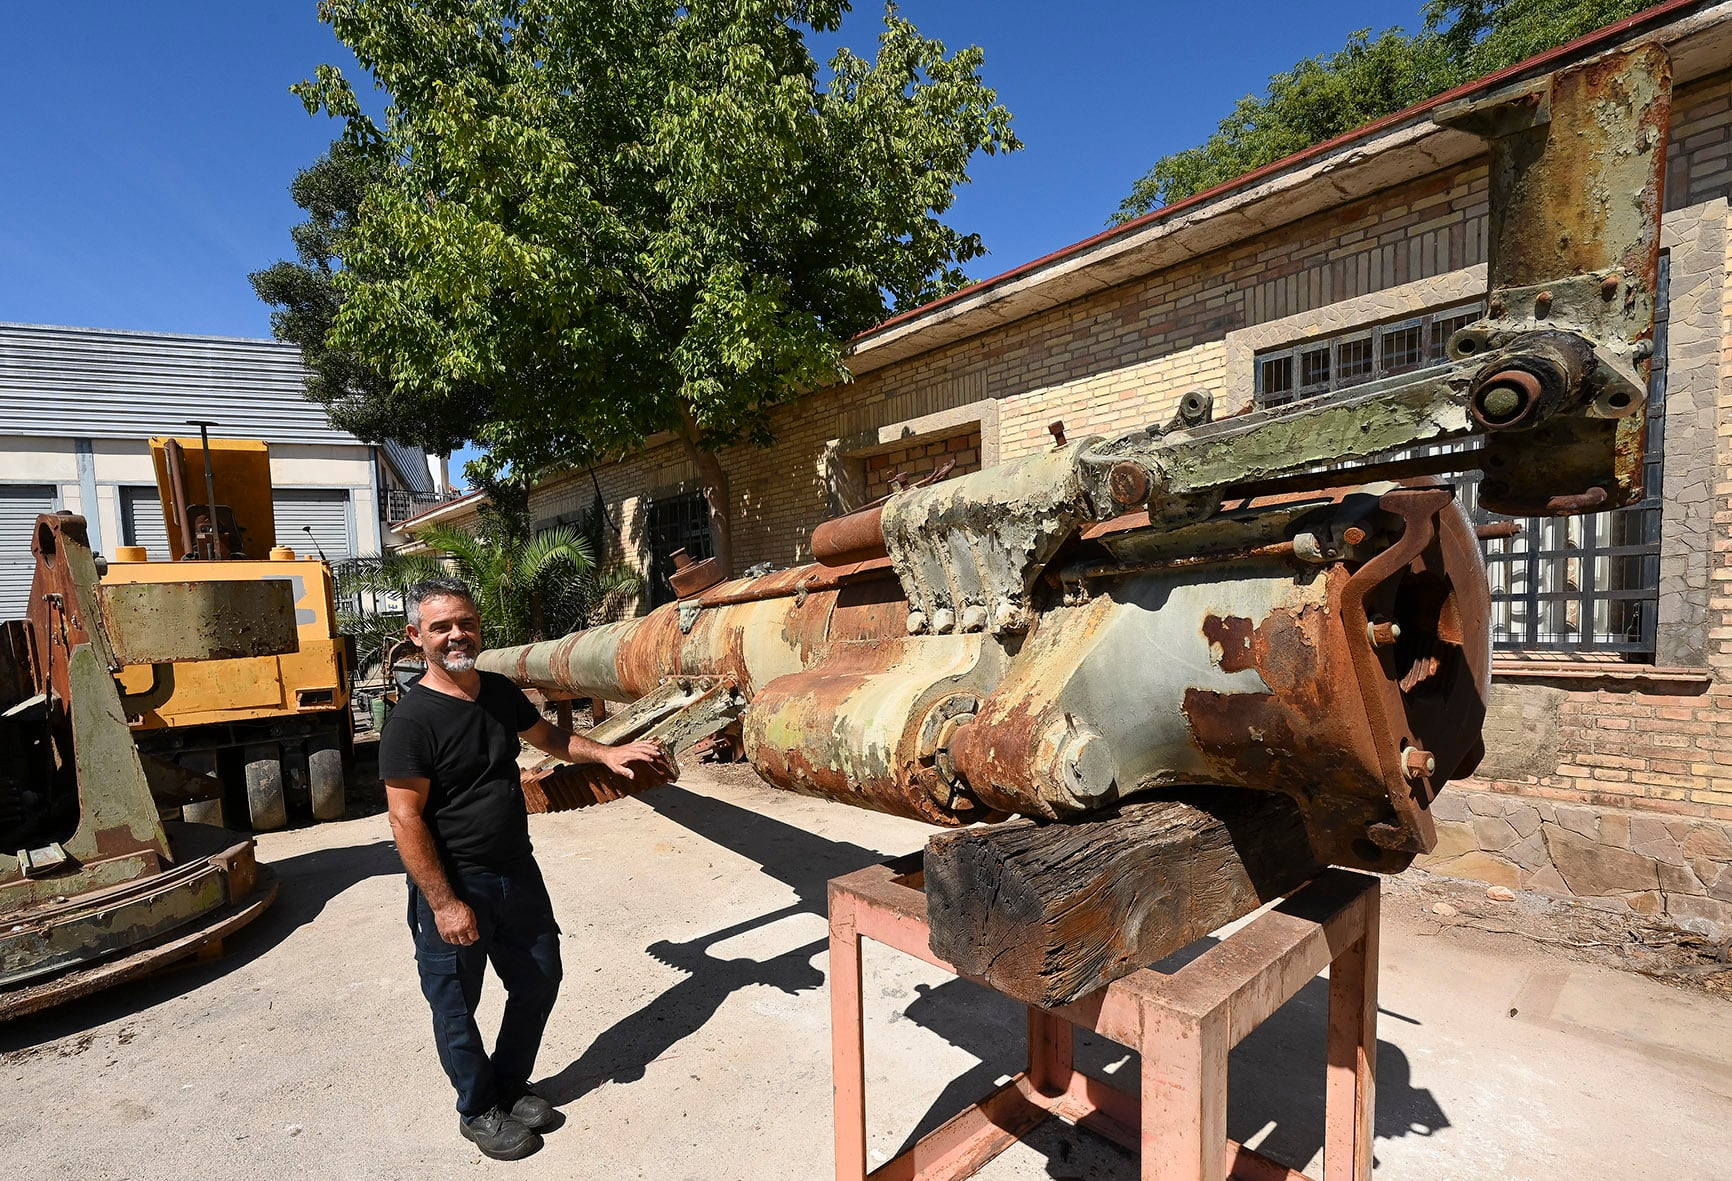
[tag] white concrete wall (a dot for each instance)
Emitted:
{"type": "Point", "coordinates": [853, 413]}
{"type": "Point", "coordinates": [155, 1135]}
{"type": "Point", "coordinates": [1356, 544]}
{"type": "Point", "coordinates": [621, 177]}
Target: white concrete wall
{"type": "Point", "coordinates": [120, 462]}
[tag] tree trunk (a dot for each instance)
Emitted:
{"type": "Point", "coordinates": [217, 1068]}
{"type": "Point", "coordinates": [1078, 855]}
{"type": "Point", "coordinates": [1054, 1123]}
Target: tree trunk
{"type": "Point", "coordinates": [716, 491]}
{"type": "Point", "coordinates": [1047, 913]}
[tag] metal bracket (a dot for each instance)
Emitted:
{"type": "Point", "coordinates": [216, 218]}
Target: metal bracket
{"type": "Point", "coordinates": [36, 863]}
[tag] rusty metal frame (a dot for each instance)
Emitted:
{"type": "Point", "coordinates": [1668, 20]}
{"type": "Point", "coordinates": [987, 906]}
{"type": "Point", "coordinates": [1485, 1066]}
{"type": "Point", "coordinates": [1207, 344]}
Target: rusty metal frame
{"type": "Point", "coordinates": [1182, 1024]}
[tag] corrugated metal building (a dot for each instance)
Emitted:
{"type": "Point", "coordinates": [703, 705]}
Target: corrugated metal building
{"type": "Point", "coordinates": [78, 406]}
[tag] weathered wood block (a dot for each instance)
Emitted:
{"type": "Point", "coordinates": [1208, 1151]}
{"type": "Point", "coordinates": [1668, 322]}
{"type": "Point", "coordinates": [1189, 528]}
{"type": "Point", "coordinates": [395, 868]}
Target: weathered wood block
{"type": "Point", "coordinates": [1049, 912]}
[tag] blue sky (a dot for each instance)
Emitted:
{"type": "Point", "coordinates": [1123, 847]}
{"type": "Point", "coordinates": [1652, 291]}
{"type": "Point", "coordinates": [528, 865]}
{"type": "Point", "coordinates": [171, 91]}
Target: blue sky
{"type": "Point", "coordinates": [147, 148]}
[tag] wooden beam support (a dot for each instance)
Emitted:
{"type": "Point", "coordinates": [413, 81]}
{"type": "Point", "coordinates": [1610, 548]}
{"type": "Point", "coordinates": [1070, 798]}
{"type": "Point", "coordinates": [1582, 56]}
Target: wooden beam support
{"type": "Point", "coordinates": [1049, 912]}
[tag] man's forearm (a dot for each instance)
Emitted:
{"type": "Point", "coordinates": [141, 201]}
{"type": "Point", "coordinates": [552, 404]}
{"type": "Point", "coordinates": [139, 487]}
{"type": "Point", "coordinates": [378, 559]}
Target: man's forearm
{"type": "Point", "coordinates": [420, 857]}
{"type": "Point", "coordinates": [579, 749]}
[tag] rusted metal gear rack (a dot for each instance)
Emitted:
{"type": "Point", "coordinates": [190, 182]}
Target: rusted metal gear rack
{"type": "Point", "coordinates": [1182, 1024]}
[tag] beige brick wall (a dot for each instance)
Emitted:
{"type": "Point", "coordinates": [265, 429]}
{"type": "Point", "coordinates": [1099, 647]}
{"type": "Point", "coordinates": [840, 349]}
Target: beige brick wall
{"type": "Point", "coordinates": [1109, 402]}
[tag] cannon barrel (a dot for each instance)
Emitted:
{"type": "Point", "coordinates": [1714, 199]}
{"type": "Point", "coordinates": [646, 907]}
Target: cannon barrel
{"type": "Point", "coordinates": [1333, 647]}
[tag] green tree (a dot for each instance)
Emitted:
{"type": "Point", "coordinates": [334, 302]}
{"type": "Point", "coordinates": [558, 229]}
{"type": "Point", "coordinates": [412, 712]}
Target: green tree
{"type": "Point", "coordinates": [305, 298]}
{"type": "Point", "coordinates": [601, 219]}
{"type": "Point", "coordinates": [1331, 94]}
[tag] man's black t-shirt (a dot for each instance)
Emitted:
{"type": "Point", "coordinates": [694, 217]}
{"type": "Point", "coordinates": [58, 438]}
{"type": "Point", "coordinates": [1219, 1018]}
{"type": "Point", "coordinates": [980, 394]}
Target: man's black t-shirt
{"type": "Point", "coordinates": [467, 750]}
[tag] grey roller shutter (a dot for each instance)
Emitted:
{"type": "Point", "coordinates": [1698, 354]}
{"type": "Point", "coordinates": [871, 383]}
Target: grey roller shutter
{"type": "Point", "coordinates": [324, 510]}
{"type": "Point", "coordinates": [141, 521]}
{"type": "Point", "coordinates": [20, 505]}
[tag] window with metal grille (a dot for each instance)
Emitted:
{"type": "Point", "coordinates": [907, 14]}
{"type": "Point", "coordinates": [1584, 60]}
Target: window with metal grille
{"type": "Point", "coordinates": [1587, 584]}
{"type": "Point", "coordinates": [675, 522]}
{"type": "Point", "coordinates": [1354, 358]}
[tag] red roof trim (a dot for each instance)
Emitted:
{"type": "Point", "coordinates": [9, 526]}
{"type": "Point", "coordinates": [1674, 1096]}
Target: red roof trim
{"type": "Point", "coordinates": [1658, 14]}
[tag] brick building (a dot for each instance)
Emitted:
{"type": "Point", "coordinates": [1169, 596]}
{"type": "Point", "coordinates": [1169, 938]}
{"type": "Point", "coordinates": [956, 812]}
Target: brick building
{"type": "Point", "coordinates": [1609, 773]}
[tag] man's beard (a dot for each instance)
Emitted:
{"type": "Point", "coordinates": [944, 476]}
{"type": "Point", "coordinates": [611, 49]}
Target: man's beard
{"type": "Point", "coordinates": [458, 662]}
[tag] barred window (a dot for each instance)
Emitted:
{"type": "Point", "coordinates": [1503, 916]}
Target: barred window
{"type": "Point", "coordinates": [675, 522]}
{"type": "Point", "coordinates": [1587, 584]}
{"type": "Point", "coordinates": [1354, 358]}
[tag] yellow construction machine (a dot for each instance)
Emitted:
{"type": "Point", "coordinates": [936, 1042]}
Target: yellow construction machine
{"type": "Point", "coordinates": [95, 887]}
{"type": "Point", "coordinates": [271, 734]}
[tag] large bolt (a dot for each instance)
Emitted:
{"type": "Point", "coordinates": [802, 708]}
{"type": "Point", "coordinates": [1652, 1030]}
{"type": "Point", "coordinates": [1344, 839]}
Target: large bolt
{"type": "Point", "coordinates": [1354, 535]}
{"type": "Point", "coordinates": [1129, 483]}
{"type": "Point", "coordinates": [943, 621]}
{"type": "Point", "coordinates": [1089, 769]}
{"type": "Point", "coordinates": [1505, 398]}
{"type": "Point", "coordinates": [1382, 633]}
{"type": "Point", "coordinates": [916, 622]}
{"type": "Point", "coordinates": [1417, 763]}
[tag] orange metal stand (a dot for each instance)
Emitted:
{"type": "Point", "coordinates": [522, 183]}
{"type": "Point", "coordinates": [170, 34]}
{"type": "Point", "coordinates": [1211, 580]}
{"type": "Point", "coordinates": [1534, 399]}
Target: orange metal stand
{"type": "Point", "coordinates": [1182, 1024]}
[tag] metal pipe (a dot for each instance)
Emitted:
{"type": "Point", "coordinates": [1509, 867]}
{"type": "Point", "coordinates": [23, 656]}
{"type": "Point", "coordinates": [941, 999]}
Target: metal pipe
{"type": "Point", "coordinates": [219, 544]}
{"type": "Point", "coordinates": [176, 457]}
{"type": "Point", "coordinates": [855, 537]}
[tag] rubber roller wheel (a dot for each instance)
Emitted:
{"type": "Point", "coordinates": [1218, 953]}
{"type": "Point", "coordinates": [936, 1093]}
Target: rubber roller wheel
{"type": "Point", "coordinates": [266, 808]}
{"type": "Point", "coordinates": [325, 776]}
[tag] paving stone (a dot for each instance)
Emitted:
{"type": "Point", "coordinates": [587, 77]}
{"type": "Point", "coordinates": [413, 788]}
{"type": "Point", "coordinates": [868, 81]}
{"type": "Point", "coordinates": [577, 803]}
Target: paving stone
{"type": "Point", "coordinates": [1524, 818]}
{"type": "Point", "coordinates": [1647, 902]}
{"type": "Point", "coordinates": [1615, 830]}
{"type": "Point", "coordinates": [1493, 833]}
{"type": "Point", "coordinates": [1547, 879]}
{"type": "Point", "coordinates": [1577, 819]}
{"type": "Point", "coordinates": [1708, 840]}
{"type": "Point", "coordinates": [1451, 805]}
{"type": "Point", "coordinates": [1480, 867]}
{"type": "Point", "coordinates": [1484, 803]}
{"type": "Point", "coordinates": [1452, 841]}
{"type": "Point", "coordinates": [1530, 852]}
{"type": "Point", "coordinates": [1595, 870]}
{"type": "Point", "coordinates": [1714, 915]}
{"type": "Point", "coordinates": [1652, 837]}
{"type": "Point", "coordinates": [1679, 879]}
{"type": "Point", "coordinates": [1718, 884]}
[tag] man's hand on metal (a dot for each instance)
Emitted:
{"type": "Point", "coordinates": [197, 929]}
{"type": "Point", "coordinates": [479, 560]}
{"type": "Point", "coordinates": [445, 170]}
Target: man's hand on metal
{"type": "Point", "coordinates": [645, 752]}
{"type": "Point", "coordinates": [456, 923]}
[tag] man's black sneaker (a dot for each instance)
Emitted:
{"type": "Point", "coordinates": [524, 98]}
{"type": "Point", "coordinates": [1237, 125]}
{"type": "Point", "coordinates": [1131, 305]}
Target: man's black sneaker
{"type": "Point", "coordinates": [526, 1105]}
{"type": "Point", "coordinates": [499, 1135]}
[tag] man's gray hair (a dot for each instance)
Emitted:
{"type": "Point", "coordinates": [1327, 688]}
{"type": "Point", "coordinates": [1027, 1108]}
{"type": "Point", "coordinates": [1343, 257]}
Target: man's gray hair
{"type": "Point", "coordinates": [433, 588]}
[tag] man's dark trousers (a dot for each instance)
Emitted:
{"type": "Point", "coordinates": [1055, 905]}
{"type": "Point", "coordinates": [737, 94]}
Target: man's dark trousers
{"type": "Point", "coordinates": [514, 918]}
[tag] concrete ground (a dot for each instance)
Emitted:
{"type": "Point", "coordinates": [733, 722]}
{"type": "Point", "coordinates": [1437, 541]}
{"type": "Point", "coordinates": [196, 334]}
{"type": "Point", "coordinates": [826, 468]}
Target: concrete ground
{"type": "Point", "coordinates": [691, 1039]}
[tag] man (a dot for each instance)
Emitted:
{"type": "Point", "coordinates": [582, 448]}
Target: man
{"type": "Point", "coordinates": [449, 762]}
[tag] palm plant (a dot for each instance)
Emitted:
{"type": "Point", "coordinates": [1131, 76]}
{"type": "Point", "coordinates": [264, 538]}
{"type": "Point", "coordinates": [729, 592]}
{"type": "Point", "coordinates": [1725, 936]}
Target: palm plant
{"type": "Point", "coordinates": [528, 587]}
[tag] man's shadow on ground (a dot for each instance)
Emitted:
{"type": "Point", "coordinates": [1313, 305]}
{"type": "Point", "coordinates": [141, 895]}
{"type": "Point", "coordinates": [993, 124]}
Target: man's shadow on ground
{"type": "Point", "coordinates": [1267, 1093]}
{"type": "Point", "coordinates": [802, 860]}
{"type": "Point", "coordinates": [306, 883]}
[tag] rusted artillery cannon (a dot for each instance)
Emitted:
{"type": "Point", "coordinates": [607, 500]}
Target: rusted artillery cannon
{"type": "Point", "coordinates": [1287, 659]}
